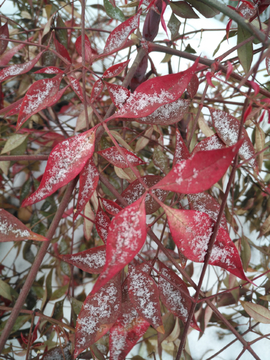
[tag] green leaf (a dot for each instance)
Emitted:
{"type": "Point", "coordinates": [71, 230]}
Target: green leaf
{"type": "Point", "coordinates": [183, 10]}
{"type": "Point", "coordinates": [174, 25]}
{"type": "Point", "coordinates": [25, 190]}
{"type": "Point", "coordinates": [190, 50]}
{"type": "Point", "coordinates": [76, 305]}
{"type": "Point", "coordinates": [204, 9]}
{"type": "Point", "coordinates": [257, 312]}
{"type": "Point", "coordinates": [231, 34]}
{"type": "Point", "coordinates": [28, 253]}
{"type": "Point", "coordinates": [61, 34]}
{"type": "Point", "coordinates": [245, 52]}
{"type": "Point", "coordinates": [5, 290]}
{"type": "Point", "coordinates": [114, 12]}
{"type": "Point", "coordinates": [20, 321]}
{"type": "Point", "coordinates": [245, 252]}
{"type": "Point", "coordinates": [59, 292]}
{"type": "Point", "coordinates": [58, 310]}
{"type": "Point", "coordinates": [49, 284]}
{"type": "Point", "coordinates": [13, 142]}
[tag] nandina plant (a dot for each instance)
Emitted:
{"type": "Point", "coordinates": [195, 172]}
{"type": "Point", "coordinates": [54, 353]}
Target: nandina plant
{"type": "Point", "coordinates": [131, 195]}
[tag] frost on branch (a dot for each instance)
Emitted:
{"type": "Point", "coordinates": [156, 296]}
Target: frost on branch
{"type": "Point", "coordinates": [90, 260]}
{"type": "Point", "coordinates": [114, 157]}
{"type": "Point", "coordinates": [127, 234]}
{"type": "Point", "coordinates": [175, 295]}
{"type": "Point", "coordinates": [99, 312]}
{"type": "Point", "coordinates": [65, 162]}
{"type": "Point", "coordinates": [12, 229]}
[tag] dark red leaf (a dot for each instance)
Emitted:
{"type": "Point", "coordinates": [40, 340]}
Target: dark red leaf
{"type": "Point", "coordinates": [115, 70]}
{"type": "Point", "coordinates": [65, 162]}
{"type": "Point", "coordinates": [191, 231]}
{"type": "Point", "coordinates": [18, 69]}
{"type": "Point", "coordinates": [144, 295]}
{"type": "Point", "coordinates": [119, 94]}
{"type": "Point", "coordinates": [4, 34]}
{"type": "Point", "coordinates": [126, 332]}
{"type": "Point", "coordinates": [96, 90]}
{"type": "Point", "coordinates": [114, 157]}
{"type": "Point", "coordinates": [89, 177]}
{"type": "Point", "coordinates": [181, 151]}
{"type": "Point", "coordinates": [110, 206]}
{"type": "Point", "coordinates": [49, 70]}
{"type": "Point", "coordinates": [88, 49]}
{"type": "Point", "coordinates": [135, 190]}
{"type": "Point", "coordinates": [12, 229]}
{"type": "Point", "coordinates": [127, 234]}
{"type": "Point", "coordinates": [60, 48]}
{"type": "Point", "coordinates": [76, 86]}
{"type": "Point", "coordinates": [99, 312]}
{"type": "Point", "coordinates": [175, 295]}
{"type": "Point", "coordinates": [193, 86]}
{"type": "Point", "coordinates": [208, 77]}
{"type": "Point", "coordinates": [8, 55]}
{"type": "Point", "coordinates": [102, 224]}
{"type": "Point", "coordinates": [91, 260]}
{"type": "Point", "coordinates": [153, 93]}
{"type": "Point", "coordinates": [12, 109]}
{"type": "Point", "coordinates": [199, 172]}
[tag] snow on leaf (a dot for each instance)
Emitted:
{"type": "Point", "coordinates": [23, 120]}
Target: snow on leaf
{"type": "Point", "coordinates": [227, 128]}
{"type": "Point", "coordinates": [12, 229]}
{"type": "Point", "coordinates": [120, 34]}
{"type": "Point", "coordinates": [119, 94]}
{"type": "Point", "coordinates": [167, 114]}
{"type": "Point", "coordinates": [90, 260]}
{"type": "Point", "coordinates": [88, 50]}
{"type": "Point", "coordinates": [96, 90]}
{"type": "Point", "coordinates": [206, 203]}
{"type": "Point", "coordinates": [40, 95]}
{"type": "Point", "coordinates": [102, 224]}
{"type": "Point", "coordinates": [114, 157]}
{"type": "Point", "coordinates": [89, 177]}
{"type": "Point", "coordinates": [76, 86]}
{"type": "Point", "coordinates": [127, 234]}
{"type": "Point", "coordinates": [49, 70]}
{"type": "Point", "coordinates": [99, 312]}
{"type": "Point", "coordinates": [191, 231]}
{"type": "Point", "coordinates": [115, 70]}
{"type": "Point", "coordinates": [110, 206]}
{"type": "Point", "coordinates": [175, 295]}
{"type": "Point", "coordinates": [126, 332]}
{"type": "Point", "coordinates": [65, 162]}
{"type": "Point", "coordinates": [135, 190]}
{"type": "Point", "coordinates": [18, 69]}
{"type": "Point", "coordinates": [153, 93]}
{"type": "Point", "coordinates": [210, 143]}
{"type": "Point", "coordinates": [144, 295]}
{"type": "Point", "coordinates": [199, 172]}
{"type": "Point", "coordinates": [181, 151]}
{"type": "Point", "coordinates": [4, 34]}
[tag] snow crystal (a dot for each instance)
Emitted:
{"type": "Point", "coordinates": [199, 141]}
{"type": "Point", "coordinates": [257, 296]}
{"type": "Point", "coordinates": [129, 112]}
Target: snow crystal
{"type": "Point", "coordinates": [223, 255]}
{"type": "Point", "coordinates": [114, 157]}
{"type": "Point", "coordinates": [6, 228]}
{"type": "Point", "coordinates": [179, 170]}
{"type": "Point", "coordinates": [13, 70]}
{"type": "Point", "coordinates": [213, 143]}
{"type": "Point", "coordinates": [109, 207]}
{"type": "Point", "coordinates": [119, 95]}
{"type": "Point", "coordinates": [118, 344]}
{"type": "Point", "coordinates": [95, 260]}
{"type": "Point", "coordinates": [38, 97]}
{"type": "Point", "coordinates": [103, 223]}
{"type": "Point", "coordinates": [89, 174]}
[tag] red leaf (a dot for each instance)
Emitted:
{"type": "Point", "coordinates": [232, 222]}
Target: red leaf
{"type": "Point", "coordinates": [210, 143]}
{"type": "Point", "coordinates": [88, 49]}
{"type": "Point", "coordinates": [228, 26]}
{"type": "Point", "coordinates": [12, 109]}
{"type": "Point", "coordinates": [40, 95]}
{"type": "Point", "coordinates": [65, 162]}
{"type": "Point", "coordinates": [208, 77]}
{"type": "Point", "coordinates": [49, 70]}
{"type": "Point", "coordinates": [76, 86]}
{"type": "Point", "coordinates": [191, 231]}
{"type": "Point", "coordinates": [4, 34]}
{"type": "Point", "coordinates": [102, 224]}
{"type": "Point", "coordinates": [115, 70]}
{"type": "Point", "coordinates": [96, 90]}
{"type": "Point", "coordinates": [126, 332]}
{"type": "Point", "coordinates": [207, 204]}
{"type": "Point", "coordinates": [8, 55]}
{"type": "Point", "coordinates": [229, 70]}
{"type": "Point", "coordinates": [256, 88]}
{"type": "Point", "coordinates": [153, 93]}
{"type": "Point", "coordinates": [144, 295]}
{"type": "Point", "coordinates": [91, 260]}
{"type": "Point", "coordinates": [135, 190]}
{"type": "Point", "coordinates": [110, 206]}
{"type": "Point", "coordinates": [193, 86]}
{"type": "Point", "coordinates": [60, 48]}
{"type": "Point", "coordinates": [167, 114]}
{"type": "Point", "coordinates": [99, 312]}
{"type": "Point", "coordinates": [120, 34]}
{"type": "Point", "coordinates": [181, 151]}
{"type": "Point", "coordinates": [89, 177]}
{"type": "Point", "coordinates": [114, 157]}
{"type": "Point", "coordinates": [119, 94]}
{"type": "Point", "coordinates": [175, 295]}
{"type": "Point", "coordinates": [199, 172]}
{"type": "Point", "coordinates": [18, 69]}
{"type": "Point", "coordinates": [127, 234]}
{"type": "Point", "coordinates": [12, 229]}
{"type": "Point", "coordinates": [227, 128]}
{"type": "Point", "coordinates": [247, 112]}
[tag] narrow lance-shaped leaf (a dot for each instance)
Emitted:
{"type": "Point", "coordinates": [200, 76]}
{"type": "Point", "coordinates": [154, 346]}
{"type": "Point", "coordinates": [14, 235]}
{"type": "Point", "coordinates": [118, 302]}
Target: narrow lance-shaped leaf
{"type": "Point", "coordinates": [96, 90]}
{"type": "Point", "coordinates": [60, 48]}
{"type": "Point", "coordinates": [175, 295]}
{"type": "Point", "coordinates": [126, 332]}
{"type": "Point", "coordinates": [76, 86]}
{"type": "Point", "coordinates": [181, 151]}
{"type": "Point", "coordinates": [115, 70]}
{"type": "Point", "coordinates": [65, 162]}
{"type": "Point", "coordinates": [119, 94]}
{"type": "Point", "coordinates": [153, 93]}
{"type": "Point", "coordinates": [99, 312]}
{"type": "Point", "coordinates": [127, 234]}
{"type": "Point", "coordinates": [144, 295]}
{"type": "Point", "coordinates": [102, 224]}
{"type": "Point", "coordinates": [49, 70]}
{"type": "Point", "coordinates": [114, 157]}
{"type": "Point", "coordinates": [110, 206]}
{"type": "Point", "coordinates": [18, 69]}
{"type": "Point", "coordinates": [88, 182]}
{"type": "Point", "coordinates": [4, 35]}
{"type": "Point", "coordinates": [199, 172]}
{"type": "Point", "coordinates": [12, 229]}
{"type": "Point", "coordinates": [90, 260]}
{"type": "Point", "coordinates": [40, 95]}
{"type": "Point", "coordinates": [88, 50]}
{"type": "Point", "coordinates": [8, 55]}
{"type": "Point", "coordinates": [191, 231]}
{"type": "Point", "coordinates": [257, 312]}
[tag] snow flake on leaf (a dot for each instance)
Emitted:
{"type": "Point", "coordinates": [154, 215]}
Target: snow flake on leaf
{"type": "Point", "coordinates": [114, 157]}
